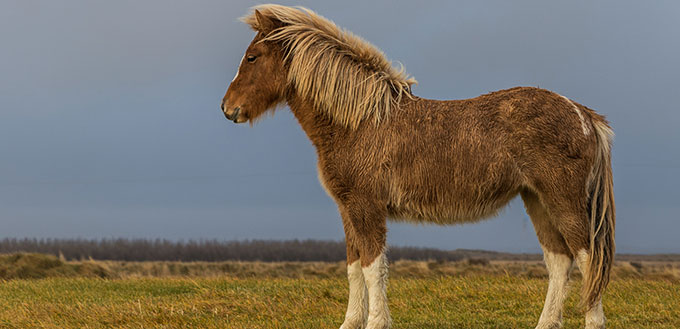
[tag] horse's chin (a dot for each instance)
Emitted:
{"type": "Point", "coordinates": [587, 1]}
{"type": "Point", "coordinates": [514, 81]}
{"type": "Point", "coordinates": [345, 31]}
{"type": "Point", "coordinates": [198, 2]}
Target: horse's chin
{"type": "Point", "coordinates": [240, 119]}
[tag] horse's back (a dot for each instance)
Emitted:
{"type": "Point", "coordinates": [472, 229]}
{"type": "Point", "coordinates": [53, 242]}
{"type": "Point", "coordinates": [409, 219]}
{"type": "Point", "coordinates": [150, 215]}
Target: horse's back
{"type": "Point", "coordinates": [463, 160]}
{"type": "Point", "coordinates": [450, 163]}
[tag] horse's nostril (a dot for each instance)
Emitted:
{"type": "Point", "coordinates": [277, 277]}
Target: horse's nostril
{"type": "Point", "coordinates": [237, 111]}
{"type": "Point", "coordinates": [222, 106]}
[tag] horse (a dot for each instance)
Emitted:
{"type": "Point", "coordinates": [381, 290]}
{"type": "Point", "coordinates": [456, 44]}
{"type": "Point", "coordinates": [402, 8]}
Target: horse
{"type": "Point", "coordinates": [384, 152]}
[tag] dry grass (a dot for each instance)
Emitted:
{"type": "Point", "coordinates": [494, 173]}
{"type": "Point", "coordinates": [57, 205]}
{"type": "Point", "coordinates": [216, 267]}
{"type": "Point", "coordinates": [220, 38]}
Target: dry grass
{"type": "Point", "coordinates": [27, 266]}
{"type": "Point", "coordinates": [35, 266]}
{"type": "Point", "coordinates": [404, 268]}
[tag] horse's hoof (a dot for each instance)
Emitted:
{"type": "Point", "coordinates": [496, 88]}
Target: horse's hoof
{"type": "Point", "coordinates": [550, 325]}
{"type": "Point", "coordinates": [352, 325]}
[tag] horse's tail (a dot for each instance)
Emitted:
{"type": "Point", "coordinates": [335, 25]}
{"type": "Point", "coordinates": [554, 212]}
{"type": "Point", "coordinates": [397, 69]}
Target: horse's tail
{"type": "Point", "coordinates": [601, 216]}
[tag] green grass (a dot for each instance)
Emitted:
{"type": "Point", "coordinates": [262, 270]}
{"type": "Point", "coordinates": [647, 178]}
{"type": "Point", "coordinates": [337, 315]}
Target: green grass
{"type": "Point", "coordinates": [472, 301]}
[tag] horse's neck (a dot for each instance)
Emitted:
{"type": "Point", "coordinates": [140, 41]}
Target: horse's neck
{"type": "Point", "coordinates": [318, 126]}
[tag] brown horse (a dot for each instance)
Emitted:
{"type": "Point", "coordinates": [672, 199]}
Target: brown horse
{"type": "Point", "coordinates": [386, 153]}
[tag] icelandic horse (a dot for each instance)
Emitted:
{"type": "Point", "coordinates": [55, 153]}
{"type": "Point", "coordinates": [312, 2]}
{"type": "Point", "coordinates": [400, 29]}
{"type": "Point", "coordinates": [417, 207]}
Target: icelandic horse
{"type": "Point", "coordinates": [385, 153]}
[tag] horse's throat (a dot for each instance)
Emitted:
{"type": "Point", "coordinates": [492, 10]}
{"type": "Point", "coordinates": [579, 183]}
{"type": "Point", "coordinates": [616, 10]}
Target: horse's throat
{"type": "Point", "coordinates": [318, 126]}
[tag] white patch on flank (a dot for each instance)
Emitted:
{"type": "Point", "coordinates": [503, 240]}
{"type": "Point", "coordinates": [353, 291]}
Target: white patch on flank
{"type": "Point", "coordinates": [239, 68]}
{"type": "Point", "coordinates": [585, 128]}
{"type": "Point", "coordinates": [595, 316]}
{"type": "Point", "coordinates": [558, 266]}
{"type": "Point", "coordinates": [376, 282]}
{"type": "Point", "coordinates": [357, 306]}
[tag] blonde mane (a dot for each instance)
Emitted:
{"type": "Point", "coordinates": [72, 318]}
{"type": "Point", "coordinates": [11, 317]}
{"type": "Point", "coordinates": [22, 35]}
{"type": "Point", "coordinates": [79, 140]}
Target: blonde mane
{"type": "Point", "coordinates": [346, 77]}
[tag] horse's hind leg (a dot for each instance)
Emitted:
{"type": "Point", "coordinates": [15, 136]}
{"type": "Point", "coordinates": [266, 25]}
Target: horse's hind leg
{"type": "Point", "coordinates": [558, 261]}
{"type": "Point", "coordinates": [568, 219]}
{"type": "Point", "coordinates": [574, 227]}
{"type": "Point", "coordinates": [595, 318]}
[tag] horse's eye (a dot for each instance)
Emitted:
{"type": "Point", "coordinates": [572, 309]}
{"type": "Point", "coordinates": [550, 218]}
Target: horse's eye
{"type": "Point", "coordinates": [251, 58]}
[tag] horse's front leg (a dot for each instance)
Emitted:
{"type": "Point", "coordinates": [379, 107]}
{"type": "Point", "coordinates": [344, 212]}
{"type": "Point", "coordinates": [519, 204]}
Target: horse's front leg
{"type": "Point", "coordinates": [357, 305]}
{"type": "Point", "coordinates": [365, 221]}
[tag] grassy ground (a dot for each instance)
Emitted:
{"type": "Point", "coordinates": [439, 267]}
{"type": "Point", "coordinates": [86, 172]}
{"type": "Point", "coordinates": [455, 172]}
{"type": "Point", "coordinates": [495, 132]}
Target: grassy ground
{"type": "Point", "coordinates": [481, 301]}
{"type": "Point", "coordinates": [39, 291]}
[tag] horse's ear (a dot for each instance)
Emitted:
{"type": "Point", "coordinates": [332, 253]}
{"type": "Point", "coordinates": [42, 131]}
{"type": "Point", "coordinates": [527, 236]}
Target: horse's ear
{"type": "Point", "coordinates": [264, 23]}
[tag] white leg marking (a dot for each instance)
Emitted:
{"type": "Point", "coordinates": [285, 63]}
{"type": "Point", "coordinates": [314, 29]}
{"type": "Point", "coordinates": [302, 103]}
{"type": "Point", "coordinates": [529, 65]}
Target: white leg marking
{"type": "Point", "coordinates": [357, 306]}
{"type": "Point", "coordinates": [558, 266]}
{"type": "Point", "coordinates": [239, 68]}
{"type": "Point", "coordinates": [585, 128]}
{"type": "Point", "coordinates": [376, 282]}
{"type": "Point", "coordinates": [595, 318]}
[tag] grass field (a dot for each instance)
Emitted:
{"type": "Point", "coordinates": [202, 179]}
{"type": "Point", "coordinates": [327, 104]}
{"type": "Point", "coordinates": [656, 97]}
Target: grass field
{"type": "Point", "coordinates": [483, 298]}
{"type": "Point", "coordinates": [438, 302]}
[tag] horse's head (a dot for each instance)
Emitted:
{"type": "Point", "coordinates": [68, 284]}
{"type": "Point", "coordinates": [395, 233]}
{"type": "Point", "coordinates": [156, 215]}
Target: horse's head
{"type": "Point", "coordinates": [260, 82]}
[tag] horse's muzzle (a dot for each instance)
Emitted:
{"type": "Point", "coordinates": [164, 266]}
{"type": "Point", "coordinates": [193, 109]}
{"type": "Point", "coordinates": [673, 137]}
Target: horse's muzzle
{"type": "Point", "coordinates": [233, 116]}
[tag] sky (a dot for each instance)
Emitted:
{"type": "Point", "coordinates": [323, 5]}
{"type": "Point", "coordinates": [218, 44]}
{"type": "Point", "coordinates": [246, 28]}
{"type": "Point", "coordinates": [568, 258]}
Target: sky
{"type": "Point", "coordinates": [110, 123]}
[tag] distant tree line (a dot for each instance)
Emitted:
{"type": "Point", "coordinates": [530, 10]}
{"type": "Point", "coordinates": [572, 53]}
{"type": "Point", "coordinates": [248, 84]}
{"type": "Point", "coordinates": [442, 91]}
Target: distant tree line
{"type": "Point", "coordinates": [250, 250]}
{"type": "Point", "coordinates": [209, 250]}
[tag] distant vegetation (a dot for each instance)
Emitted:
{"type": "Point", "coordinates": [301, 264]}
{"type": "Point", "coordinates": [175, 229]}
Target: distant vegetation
{"type": "Point", "coordinates": [215, 250]}
{"type": "Point", "coordinates": [250, 250]}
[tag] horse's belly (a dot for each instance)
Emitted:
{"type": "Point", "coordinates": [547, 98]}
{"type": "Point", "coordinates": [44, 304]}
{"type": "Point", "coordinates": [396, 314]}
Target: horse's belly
{"type": "Point", "coordinates": [448, 203]}
{"type": "Point", "coordinates": [443, 214]}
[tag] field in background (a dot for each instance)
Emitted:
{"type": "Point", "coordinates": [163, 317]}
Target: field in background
{"type": "Point", "coordinates": [37, 266]}
{"type": "Point", "coordinates": [471, 293]}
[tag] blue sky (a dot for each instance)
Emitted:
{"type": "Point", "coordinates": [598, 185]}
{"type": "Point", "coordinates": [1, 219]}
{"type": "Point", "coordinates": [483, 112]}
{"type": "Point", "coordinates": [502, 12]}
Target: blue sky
{"type": "Point", "coordinates": [110, 123]}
